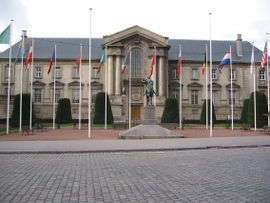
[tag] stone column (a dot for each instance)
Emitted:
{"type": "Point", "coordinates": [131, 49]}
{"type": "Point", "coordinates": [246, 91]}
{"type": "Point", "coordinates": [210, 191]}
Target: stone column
{"type": "Point", "coordinates": [118, 76]}
{"type": "Point", "coordinates": [110, 75]}
{"type": "Point", "coordinates": [161, 83]}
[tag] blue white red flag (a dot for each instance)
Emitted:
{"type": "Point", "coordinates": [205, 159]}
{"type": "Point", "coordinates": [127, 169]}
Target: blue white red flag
{"type": "Point", "coordinates": [52, 60]}
{"type": "Point", "coordinates": [225, 61]}
{"type": "Point", "coordinates": [126, 62]}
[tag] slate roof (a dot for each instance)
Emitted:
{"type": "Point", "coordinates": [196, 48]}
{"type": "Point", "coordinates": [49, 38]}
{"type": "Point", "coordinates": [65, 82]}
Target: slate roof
{"type": "Point", "coordinates": [192, 50]}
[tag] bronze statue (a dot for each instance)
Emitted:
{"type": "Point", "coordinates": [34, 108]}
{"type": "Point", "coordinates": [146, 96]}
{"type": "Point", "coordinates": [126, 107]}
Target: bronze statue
{"type": "Point", "coordinates": [149, 91]}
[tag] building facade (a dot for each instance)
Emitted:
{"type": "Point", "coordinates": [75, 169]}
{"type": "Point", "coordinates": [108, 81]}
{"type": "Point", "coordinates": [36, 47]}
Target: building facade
{"type": "Point", "coordinates": [143, 44]}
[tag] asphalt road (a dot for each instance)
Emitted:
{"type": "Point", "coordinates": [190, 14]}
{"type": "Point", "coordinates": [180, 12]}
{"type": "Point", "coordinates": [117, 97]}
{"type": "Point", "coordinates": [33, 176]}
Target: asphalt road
{"type": "Point", "coordinates": [213, 175]}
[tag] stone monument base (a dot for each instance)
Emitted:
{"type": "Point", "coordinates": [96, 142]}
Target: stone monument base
{"type": "Point", "coordinates": [149, 115]}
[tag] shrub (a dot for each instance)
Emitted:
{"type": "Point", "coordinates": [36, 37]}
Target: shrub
{"type": "Point", "coordinates": [244, 113]}
{"type": "Point", "coordinates": [171, 111]}
{"type": "Point", "coordinates": [99, 115]}
{"type": "Point", "coordinates": [63, 114]}
{"type": "Point", "coordinates": [15, 117]}
{"type": "Point", "coordinates": [261, 103]}
{"type": "Point", "coordinates": [203, 113]}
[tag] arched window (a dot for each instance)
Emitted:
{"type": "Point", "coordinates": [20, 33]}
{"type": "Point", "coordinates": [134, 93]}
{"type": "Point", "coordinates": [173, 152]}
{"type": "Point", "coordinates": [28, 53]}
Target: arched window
{"type": "Point", "coordinates": [136, 63]}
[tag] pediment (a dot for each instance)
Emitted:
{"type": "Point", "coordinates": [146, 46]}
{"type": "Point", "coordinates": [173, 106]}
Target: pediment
{"type": "Point", "coordinates": [38, 83]}
{"type": "Point", "coordinates": [96, 84]}
{"type": "Point", "coordinates": [57, 83]}
{"type": "Point", "coordinates": [235, 86]}
{"type": "Point", "coordinates": [214, 85]}
{"type": "Point", "coordinates": [175, 84]}
{"type": "Point", "coordinates": [195, 85]}
{"type": "Point", "coordinates": [136, 33]}
{"type": "Point", "coordinates": [74, 83]}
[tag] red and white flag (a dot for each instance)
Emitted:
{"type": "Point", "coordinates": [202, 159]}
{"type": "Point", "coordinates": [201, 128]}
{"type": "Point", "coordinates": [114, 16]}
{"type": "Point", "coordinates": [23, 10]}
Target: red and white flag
{"type": "Point", "coordinates": [79, 58]}
{"type": "Point", "coordinates": [264, 56]}
{"type": "Point", "coordinates": [179, 61]}
{"type": "Point", "coordinates": [153, 62]}
{"type": "Point", "coordinates": [29, 57]}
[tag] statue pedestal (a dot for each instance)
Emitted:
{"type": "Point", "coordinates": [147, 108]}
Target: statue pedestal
{"type": "Point", "coordinates": [149, 115]}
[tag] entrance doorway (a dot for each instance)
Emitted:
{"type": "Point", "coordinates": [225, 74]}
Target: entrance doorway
{"type": "Point", "coordinates": [135, 112]}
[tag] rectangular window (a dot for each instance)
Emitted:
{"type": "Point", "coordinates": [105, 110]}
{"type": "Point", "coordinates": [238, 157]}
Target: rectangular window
{"type": "Point", "coordinates": [262, 74]}
{"type": "Point", "coordinates": [95, 73]}
{"type": "Point", "coordinates": [37, 95]}
{"type": "Point", "coordinates": [214, 97]}
{"type": "Point", "coordinates": [194, 96]}
{"type": "Point", "coordinates": [75, 73]}
{"type": "Point", "coordinates": [75, 96]}
{"type": "Point", "coordinates": [38, 72]}
{"type": "Point", "coordinates": [233, 74]}
{"type": "Point", "coordinates": [194, 73]}
{"type": "Point", "coordinates": [94, 94]}
{"type": "Point", "coordinates": [174, 76]}
{"type": "Point", "coordinates": [57, 72]}
{"type": "Point", "coordinates": [6, 72]}
{"type": "Point", "coordinates": [57, 95]}
{"type": "Point", "coordinates": [233, 98]}
{"type": "Point", "coordinates": [214, 74]}
{"type": "Point", "coordinates": [175, 94]}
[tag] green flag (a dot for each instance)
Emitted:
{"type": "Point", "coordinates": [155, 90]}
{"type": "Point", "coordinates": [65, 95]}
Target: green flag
{"type": "Point", "coordinates": [5, 36]}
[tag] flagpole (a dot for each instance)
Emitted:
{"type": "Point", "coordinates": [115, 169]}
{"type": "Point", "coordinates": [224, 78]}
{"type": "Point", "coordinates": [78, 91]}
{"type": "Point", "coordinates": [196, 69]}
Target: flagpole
{"type": "Point", "coordinates": [211, 86]}
{"type": "Point", "coordinates": [267, 69]}
{"type": "Point", "coordinates": [231, 87]}
{"type": "Point", "coordinates": [9, 75]}
{"type": "Point", "coordinates": [31, 86]}
{"type": "Point", "coordinates": [254, 87]}
{"type": "Point", "coordinates": [21, 91]}
{"type": "Point", "coordinates": [89, 78]}
{"type": "Point", "coordinates": [129, 92]}
{"type": "Point", "coordinates": [54, 88]}
{"type": "Point", "coordinates": [206, 87]}
{"type": "Point", "coordinates": [80, 100]}
{"type": "Point", "coordinates": [155, 84]}
{"type": "Point", "coordinates": [106, 87]}
{"type": "Point", "coordinates": [180, 89]}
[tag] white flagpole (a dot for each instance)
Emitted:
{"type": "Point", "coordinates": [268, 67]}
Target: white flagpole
{"type": "Point", "coordinates": [253, 71]}
{"type": "Point", "coordinates": [31, 86]}
{"type": "Point", "coordinates": [129, 92]}
{"type": "Point", "coordinates": [180, 88]}
{"type": "Point", "coordinates": [267, 69]}
{"type": "Point", "coordinates": [211, 86]}
{"type": "Point", "coordinates": [106, 87]}
{"type": "Point", "coordinates": [206, 87]}
{"type": "Point", "coordinates": [231, 87]}
{"type": "Point", "coordinates": [89, 78]}
{"type": "Point", "coordinates": [155, 84]}
{"type": "Point", "coordinates": [9, 74]}
{"type": "Point", "coordinates": [80, 99]}
{"type": "Point", "coordinates": [21, 91]}
{"type": "Point", "coordinates": [54, 88]}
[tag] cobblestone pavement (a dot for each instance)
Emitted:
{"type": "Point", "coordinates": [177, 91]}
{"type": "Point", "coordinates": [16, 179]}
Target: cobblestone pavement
{"type": "Point", "coordinates": [214, 175]}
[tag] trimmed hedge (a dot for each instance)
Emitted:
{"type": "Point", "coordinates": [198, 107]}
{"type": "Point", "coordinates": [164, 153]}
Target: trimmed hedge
{"type": "Point", "coordinates": [15, 117]}
{"type": "Point", "coordinates": [63, 114]}
{"type": "Point", "coordinates": [244, 113]}
{"type": "Point", "coordinates": [203, 113]}
{"type": "Point", "coordinates": [99, 115]}
{"type": "Point", "coordinates": [171, 111]}
{"type": "Point", "coordinates": [261, 103]}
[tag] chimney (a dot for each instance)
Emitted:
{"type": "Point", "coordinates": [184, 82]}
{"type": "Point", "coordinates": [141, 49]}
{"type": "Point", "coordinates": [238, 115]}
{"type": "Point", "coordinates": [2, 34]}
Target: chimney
{"type": "Point", "coordinates": [239, 47]}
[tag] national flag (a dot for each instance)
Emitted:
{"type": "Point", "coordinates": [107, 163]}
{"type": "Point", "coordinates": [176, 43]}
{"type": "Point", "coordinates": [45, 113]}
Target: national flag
{"type": "Point", "coordinates": [125, 63]}
{"type": "Point", "coordinates": [204, 63]}
{"type": "Point", "coordinates": [79, 61]}
{"type": "Point", "coordinates": [226, 60]}
{"type": "Point", "coordinates": [179, 62]}
{"type": "Point", "coordinates": [264, 56]}
{"type": "Point", "coordinates": [252, 61]}
{"type": "Point", "coordinates": [19, 52]}
{"type": "Point", "coordinates": [153, 62]}
{"type": "Point", "coordinates": [102, 60]}
{"type": "Point", "coordinates": [5, 36]}
{"type": "Point", "coordinates": [52, 60]}
{"type": "Point", "coordinates": [29, 57]}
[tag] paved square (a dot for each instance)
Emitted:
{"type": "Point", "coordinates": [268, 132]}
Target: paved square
{"type": "Point", "coordinates": [215, 175]}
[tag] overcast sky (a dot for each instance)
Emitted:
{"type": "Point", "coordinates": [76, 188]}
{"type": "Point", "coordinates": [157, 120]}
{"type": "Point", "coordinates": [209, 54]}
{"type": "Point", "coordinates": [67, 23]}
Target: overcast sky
{"type": "Point", "coordinates": [176, 19]}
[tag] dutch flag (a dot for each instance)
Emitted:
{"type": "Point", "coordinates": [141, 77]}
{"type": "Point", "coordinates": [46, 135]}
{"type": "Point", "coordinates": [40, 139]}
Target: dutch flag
{"type": "Point", "coordinates": [226, 60]}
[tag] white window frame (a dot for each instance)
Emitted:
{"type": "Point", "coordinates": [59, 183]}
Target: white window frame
{"type": "Point", "coordinates": [194, 97]}
{"type": "Point", "coordinates": [94, 93]}
{"type": "Point", "coordinates": [75, 74]}
{"type": "Point", "coordinates": [75, 96]}
{"type": "Point", "coordinates": [194, 74]}
{"type": "Point", "coordinates": [234, 96]}
{"type": "Point", "coordinates": [58, 72]}
{"type": "Point", "coordinates": [6, 71]}
{"type": "Point", "coordinates": [233, 74]}
{"type": "Point", "coordinates": [38, 95]}
{"type": "Point", "coordinates": [95, 72]}
{"type": "Point", "coordinates": [262, 75]}
{"type": "Point", "coordinates": [38, 72]}
{"type": "Point", "coordinates": [214, 74]}
{"type": "Point", "coordinates": [57, 95]}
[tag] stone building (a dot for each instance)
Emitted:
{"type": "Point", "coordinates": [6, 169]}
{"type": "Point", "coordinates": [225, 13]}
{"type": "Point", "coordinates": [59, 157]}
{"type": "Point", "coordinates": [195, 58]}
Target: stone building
{"type": "Point", "coordinates": [143, 43]}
